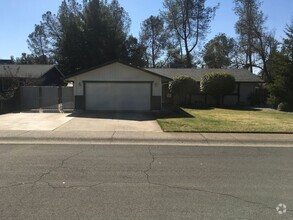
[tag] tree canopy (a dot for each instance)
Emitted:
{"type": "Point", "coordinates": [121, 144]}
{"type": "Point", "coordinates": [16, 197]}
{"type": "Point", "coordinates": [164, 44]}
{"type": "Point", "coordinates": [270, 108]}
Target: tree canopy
{"type": "Point", "coordinates": [189, 20]}
{"type": "Point", "coordinates": [154, 38]}
{"type": "Point", "coordinates": [281, 66]}
{"type": "Point", "coordinates": [218, 52]}
{"type": "Point", "coordinates": [256, 43]}
{"type": "Point", "coordinates": [83, 35]}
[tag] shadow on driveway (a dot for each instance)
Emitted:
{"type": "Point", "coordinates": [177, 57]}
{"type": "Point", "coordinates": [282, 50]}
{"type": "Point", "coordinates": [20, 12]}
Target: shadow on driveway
{"type": "Point", "coordinates": [131, 116]}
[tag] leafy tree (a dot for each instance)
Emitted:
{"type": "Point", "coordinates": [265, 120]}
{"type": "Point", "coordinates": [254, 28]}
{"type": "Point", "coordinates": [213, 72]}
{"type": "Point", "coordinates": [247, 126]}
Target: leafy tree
{"type": "Point", "coordinates": [264, 48]}
{"type": "Point", "coordinates": [217, 52]}
{"type": "Point", "coordinates": [25, 59]}
{"type": "Point", "coordinates": [120, 17]}
{"type": "Point", "coordinates": [217, 85]}
{"type": "Point", "coordinates": [288, 41]}
{"type": "Point", "coordinates": [134, 52]}
{"type": "Point", "coordinates": [251, 18]}
{"type": "Point", "coordinates": [31, 59]}
{"type": "Point", "coordinates": [8, 93]}
{"type": "Point", "coordinates": [84, 35]}
{"type": "Point", "coordinates": [182, 87]}
{"type": "Point", "coordinates": [154, 39]}
{"type": "Point", "coordinates": [189, 20]}
{"type": "Point", "coordinates": [119, 25]}
{"type": "Point", "coordinates": [70, 51]}
{"type": "Point", "coordinates": [39, 44]}
{"type": "Point", "coordinates": [255, 42]}
{"type": "Point", "coordinates": [281, 66]}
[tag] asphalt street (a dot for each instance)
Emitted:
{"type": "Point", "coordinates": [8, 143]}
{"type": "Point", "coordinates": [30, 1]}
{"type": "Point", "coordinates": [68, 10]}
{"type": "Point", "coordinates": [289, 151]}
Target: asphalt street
{"type": "Point", "coordinates": [145, 182]}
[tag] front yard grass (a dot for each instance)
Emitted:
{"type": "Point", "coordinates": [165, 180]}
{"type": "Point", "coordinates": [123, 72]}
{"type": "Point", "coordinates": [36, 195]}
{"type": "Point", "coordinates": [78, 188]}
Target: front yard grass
{"type": "Point", "coordinates": [228, 120]}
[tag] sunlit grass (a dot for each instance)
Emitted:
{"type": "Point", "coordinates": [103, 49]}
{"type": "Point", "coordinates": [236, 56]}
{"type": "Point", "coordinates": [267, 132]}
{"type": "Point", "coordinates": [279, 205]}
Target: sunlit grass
{"type": "Point", "coordinates": [229, 120]}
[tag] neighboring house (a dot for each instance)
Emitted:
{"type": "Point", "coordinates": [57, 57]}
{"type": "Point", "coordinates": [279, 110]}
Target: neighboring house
{"type": "Point", "coordinates": [6, 61]}
{"type": "Point", "coordinates": [48, 75]}
{"type": "Point", "coordinates": [121, 87]}
{"type": "Point", "coordinates": [246, 83]}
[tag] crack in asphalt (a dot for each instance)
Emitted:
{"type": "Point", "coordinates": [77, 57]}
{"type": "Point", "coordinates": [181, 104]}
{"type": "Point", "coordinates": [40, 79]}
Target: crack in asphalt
{"type": "Point", "coordinates": [211, 192]}
{"type": "Point", "coordinates": [41, 177]}
{"type": "Point", "coordinates": [146, 172]}
{"type": "Point", "coordinates": [72, 187]}
{"type": "Point", "coordinates": [217, 193]}
{"type": "Point", "coordinates": [13, 185]}
{"type": "Point", "coordinates": [150, 166]}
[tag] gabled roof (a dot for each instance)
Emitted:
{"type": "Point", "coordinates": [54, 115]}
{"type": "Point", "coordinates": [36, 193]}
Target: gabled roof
{"type": "Point", "coordinates": [109, 63]}
{"type": "Point", "coordinates": [25, 71]}
{"type": "Point", "coordinates": [241, 75]}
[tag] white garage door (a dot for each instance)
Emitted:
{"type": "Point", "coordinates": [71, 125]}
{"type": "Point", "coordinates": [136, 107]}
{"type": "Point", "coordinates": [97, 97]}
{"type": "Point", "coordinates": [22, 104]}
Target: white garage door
{"type": "Point", "coordinates": [109, 96]}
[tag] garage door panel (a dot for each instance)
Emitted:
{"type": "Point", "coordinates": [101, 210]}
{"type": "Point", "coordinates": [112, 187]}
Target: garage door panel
{"type": "Point", "coordinates": [118, 96]}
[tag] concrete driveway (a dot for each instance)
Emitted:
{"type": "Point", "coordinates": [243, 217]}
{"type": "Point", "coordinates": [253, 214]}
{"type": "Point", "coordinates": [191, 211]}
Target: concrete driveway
{"type": "Point", "coordinates": [79, 122]}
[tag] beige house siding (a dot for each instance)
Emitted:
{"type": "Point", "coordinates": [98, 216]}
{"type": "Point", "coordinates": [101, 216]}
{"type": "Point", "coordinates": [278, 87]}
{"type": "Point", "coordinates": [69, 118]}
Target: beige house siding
{"type": "Point", "coordinates": [120, 75]}
{"type": "Point", "coordinates": [116, 72]}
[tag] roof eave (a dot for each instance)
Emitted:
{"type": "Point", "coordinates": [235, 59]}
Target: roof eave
{"type": "Point", "coordinates": [109, 63]}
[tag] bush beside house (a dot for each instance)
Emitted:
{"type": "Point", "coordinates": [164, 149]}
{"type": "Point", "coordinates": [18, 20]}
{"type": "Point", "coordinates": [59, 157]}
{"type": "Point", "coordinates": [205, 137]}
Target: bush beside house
{"type": "Point", "coordinates": [217, 85]}
{"type": "Point", "coordinates": [182, 87]}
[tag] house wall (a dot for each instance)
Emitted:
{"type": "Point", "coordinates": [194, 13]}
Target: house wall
{"type": "Point", "coordinates": [114, 73]}
{"type": "Point", "coordinates": [52, 78]}
{"type": "Point", "coordinates": [239, 97]}
{"type": "Point", "coordinates": [230, 99]}
{"type": "Point", "coordinates": [245, 90]}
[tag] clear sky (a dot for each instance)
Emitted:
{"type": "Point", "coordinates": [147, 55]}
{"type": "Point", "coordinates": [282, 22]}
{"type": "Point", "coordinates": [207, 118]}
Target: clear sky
{"type": "Point", "coordinates": [17, 19]}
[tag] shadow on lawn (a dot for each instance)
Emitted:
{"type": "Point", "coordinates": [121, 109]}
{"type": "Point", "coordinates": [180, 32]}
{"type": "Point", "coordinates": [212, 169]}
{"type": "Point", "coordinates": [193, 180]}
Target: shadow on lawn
{"type": "Point", "coordinates": [240, 108]}
{"type": "Point", "coordinates": [173, 113]}
{"type": "Point", "coordinates": [236, 108]}
{"type": "Point", "coordinates": [180, 113]}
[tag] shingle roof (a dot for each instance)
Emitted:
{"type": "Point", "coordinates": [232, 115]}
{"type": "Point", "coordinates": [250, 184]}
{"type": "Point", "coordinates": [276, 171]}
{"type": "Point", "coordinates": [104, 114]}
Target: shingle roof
{"type": "Point", "coordinates": [24, 71]}
{"type": "Point", "coordinates": [110, 63]}
{"type": "Point", "coordinates": [241, 75]}
{"type": "Point", "coordinates": [2, 61]}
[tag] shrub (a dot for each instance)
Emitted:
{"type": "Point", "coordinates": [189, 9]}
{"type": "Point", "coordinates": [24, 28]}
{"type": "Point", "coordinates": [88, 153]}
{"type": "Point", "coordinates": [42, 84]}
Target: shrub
{"type": "Point", "coordinates": [277, 91]}
{"type": "Point", "coordinates": [182, 87]}
{"type": "Point", "coordinates": [217, 85]}
{"type": "Point", "coordinates": [284, 106]}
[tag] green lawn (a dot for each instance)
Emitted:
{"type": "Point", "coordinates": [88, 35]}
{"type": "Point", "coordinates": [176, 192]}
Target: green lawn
{"type": "Point", "coordinates": [228, 120]}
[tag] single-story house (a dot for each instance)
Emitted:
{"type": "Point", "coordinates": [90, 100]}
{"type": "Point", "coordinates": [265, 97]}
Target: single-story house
{"type": "Point", "coordinates": [116, 86]}
{"type": "Point", "coordinates": [44, 75]}
{"type": "Point", "coordinates": [5, 61]}
{"type": "Point", "coordinates": [246, 83]}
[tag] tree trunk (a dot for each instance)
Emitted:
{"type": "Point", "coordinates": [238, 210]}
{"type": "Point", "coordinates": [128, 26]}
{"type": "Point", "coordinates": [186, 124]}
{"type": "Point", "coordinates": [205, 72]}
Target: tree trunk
{"type": "Point", "coordinates": [188, 58]}
{"type": "Point", "coordinates": [250, 59]}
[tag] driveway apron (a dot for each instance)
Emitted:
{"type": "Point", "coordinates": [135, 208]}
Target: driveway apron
{"type": "Point", "coordinates": [99, 121]}
{"type": "Point", "coordinates": [85, 121]}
